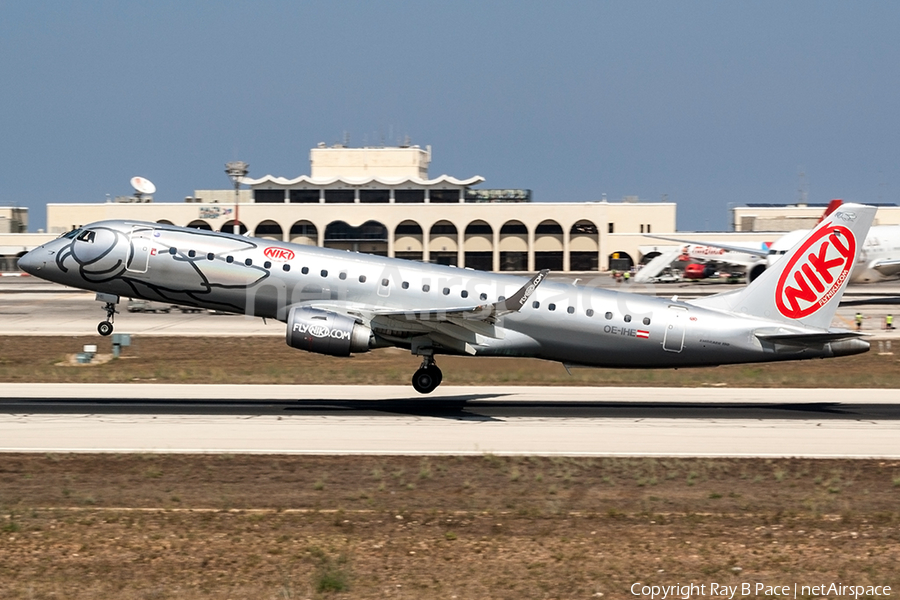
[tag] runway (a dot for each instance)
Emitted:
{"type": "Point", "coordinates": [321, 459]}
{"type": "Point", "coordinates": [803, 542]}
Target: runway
{"type": "Point", "coordinates": [577, 421]}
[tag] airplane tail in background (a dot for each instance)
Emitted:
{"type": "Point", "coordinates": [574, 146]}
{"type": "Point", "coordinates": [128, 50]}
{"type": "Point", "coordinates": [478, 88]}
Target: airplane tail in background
{"type": "Point", "coordinates": [806, 285]}
{"type": "Point", "coordinates": [832, 206]}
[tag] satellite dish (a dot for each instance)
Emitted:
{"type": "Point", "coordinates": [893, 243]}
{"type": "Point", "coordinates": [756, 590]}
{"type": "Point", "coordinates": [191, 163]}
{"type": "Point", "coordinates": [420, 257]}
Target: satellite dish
{"type": "Point", "coordinates": [142, 186]}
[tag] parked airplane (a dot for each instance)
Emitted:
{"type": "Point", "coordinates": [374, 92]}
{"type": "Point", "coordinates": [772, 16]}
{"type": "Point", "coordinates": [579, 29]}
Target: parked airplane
{"type": "Point", "coordinates": [339, 303]}
{"type": "Point", "coordinates": [752, 259]}
{"type": "Point", "coordinates": [879, 257]}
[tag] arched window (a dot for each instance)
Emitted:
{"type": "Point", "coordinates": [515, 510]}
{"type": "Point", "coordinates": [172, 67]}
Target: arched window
{"type": "Point", "coordinates": [548, 228]}
{"type": "Point", "coordinates": [201, 224]}
{"type": "Point", "coordinates": [304, 232]}
{"type": "Point", "coordinates": [228, 227]}
{"type": "Point", "coordinates": [513, 228]}
{"type": "Point", "coordinates": [479, 228]}
{"type": "Point", "coordinates": [269, 230]}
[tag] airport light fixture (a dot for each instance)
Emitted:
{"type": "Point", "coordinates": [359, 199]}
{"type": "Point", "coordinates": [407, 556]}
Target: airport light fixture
{"type": "Point", "coordinates": [237, 170]}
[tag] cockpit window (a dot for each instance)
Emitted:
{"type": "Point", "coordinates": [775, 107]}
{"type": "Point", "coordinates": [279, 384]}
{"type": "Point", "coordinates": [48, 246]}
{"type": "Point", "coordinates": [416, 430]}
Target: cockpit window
{"type": "Point", "coordinates": [71, 234]}
{"type": "Point", "coordinates": [86, 236]}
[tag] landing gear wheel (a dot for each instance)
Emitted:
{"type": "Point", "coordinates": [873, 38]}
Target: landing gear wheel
{"type": "Point", "coordinates": [437, 374]}
{"type": "Point", "coordinates": [106, 327]}
{"type": "Point", "coordinates": [425, 380]}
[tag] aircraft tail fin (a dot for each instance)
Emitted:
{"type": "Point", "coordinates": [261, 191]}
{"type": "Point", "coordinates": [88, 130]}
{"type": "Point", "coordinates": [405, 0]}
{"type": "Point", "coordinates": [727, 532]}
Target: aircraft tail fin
{"type": "Point", "coordinates": [806, 285]}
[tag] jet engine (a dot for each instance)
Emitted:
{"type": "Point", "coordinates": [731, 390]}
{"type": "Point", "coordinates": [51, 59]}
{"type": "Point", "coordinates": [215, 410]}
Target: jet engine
{"type": "Point", "coordinates": [755, 271]}
{"type": "Point", "coordinates": [326, 332]}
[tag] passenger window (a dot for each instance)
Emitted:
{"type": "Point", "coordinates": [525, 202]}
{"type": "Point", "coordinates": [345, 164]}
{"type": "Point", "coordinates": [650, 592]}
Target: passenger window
{"type": "Point", "coordinates": [551, 306]}
{"type": "Point", "coordinates": [646, 320]}
{"type": "Point", "coordinates": [628, 318]}
{"type": "Point", "coordinates": [608, 316]}
{"type": "Point", "coordinates": [535, 304]}
{"type": "Point", "coordinates": [571, 310]}
{"type": "Point", "coordinates": [405, 285]}
{"type": "Point", "coordinates": [210, 256]}
{"type": "Point", "coordinates": [464, 294]}
{"type": "Point", "coordinates": [267, 265]}
{"type": "Point", "coordinates": [191, 253]}
{"type": "Point", "coordinates": [483, 296]}
{"type": "Point", "coordinates": [229, 259]}
{"type": "Point", "coordinates": [305, 270]}
{"type": "Point", "coordinates": [173, 251]}
{"type": "Point", "coordinates": [501, 298]}
{"type": "Point", "coordinates": [343, 275]}
{"type": "Point", "coordinates": [248, 262]}
{"type": "Point", "coordinates": [286, 267]}
{"type": "Point", "coordinates": [323, 273]}
{"type": "Point", "coordinates": [362, 278]}
{"type": "Point", "coordinates": [385, 282]}
{"type": "Point", "coordinates": [426, 288]}
{"type": "Point", "coordinates": [446, 291]}
{"type": "Point", "coordinates": [589, 312]}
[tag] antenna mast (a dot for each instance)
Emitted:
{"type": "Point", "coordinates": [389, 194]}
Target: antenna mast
{"type": "Point", "coordinates": [237, 170]}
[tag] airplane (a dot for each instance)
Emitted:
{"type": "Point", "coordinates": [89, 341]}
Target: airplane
{"type": "Point", "coordinates": [340, 303]}
{"type": "Point", "coordinates": [878, 260]}
{"type": "Point", "coordinates": [752, 259]}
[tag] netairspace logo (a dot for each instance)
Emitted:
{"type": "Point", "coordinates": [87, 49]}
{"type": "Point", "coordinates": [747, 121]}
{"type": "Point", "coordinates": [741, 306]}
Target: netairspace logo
{"type": "Point", "coordinates": [745, 590]}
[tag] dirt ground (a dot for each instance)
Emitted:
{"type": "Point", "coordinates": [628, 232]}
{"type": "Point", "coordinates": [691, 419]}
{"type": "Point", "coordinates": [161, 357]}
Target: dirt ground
{"type": "Point", "coordinates": [184, 526]}
{"type": "Point", "coordinates": [190, 527]}
{"type": "Point", "coordinates": [270, 360]}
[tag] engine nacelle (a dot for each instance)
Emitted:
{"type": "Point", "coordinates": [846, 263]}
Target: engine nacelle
{"type": "Point", "coordinates": [325, 332]}
{"type": "Point", "coordinates": [755, 271]}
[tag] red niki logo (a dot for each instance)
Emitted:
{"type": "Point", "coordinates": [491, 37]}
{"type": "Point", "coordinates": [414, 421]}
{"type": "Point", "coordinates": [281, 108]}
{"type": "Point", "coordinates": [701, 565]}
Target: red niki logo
{"type": "Point", "coordinates": [816, 272]}
{"type": "Point", "coordinates": [279, 254]}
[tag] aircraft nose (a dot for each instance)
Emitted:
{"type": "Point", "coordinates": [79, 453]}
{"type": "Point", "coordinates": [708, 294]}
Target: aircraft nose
{"type": "Point", "coordinates": [34, 261]}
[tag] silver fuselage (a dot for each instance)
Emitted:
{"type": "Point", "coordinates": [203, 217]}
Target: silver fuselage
{"type": "Point", "coordinates": [574, 324]}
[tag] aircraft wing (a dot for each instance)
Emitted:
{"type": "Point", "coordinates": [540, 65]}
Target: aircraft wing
{"type": "Point", "coordinates": [730, 247]}
{"type": "Point", "coordinates": [888, 268]}
{"type": "Point", "coordinates": [482, 312]}
{"type": "Point", "coordinates": [456, 328]}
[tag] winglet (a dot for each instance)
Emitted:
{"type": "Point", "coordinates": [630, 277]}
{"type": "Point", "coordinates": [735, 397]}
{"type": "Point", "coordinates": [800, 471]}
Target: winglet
{"type": "Point", "coordinates": [515, 302]}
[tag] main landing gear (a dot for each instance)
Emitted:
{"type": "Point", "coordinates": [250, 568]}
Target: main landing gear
{"type": "Point", "coordinates": [106, 327]}
{"type": "Point", "coordinates": [428, 377]}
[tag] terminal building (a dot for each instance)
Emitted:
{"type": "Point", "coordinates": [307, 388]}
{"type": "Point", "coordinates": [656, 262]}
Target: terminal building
{"type": "Point", "coordinates": [782, 217]}
{"type": "Point", "coordinates": [382, 201]}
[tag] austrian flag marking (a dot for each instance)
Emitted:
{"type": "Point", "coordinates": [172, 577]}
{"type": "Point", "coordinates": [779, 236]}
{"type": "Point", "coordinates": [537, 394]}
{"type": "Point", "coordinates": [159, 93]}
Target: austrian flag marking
{"type": "Point", "coordinates": [816, 272]}
{"type": "Point", "coordinates": [641, 333]}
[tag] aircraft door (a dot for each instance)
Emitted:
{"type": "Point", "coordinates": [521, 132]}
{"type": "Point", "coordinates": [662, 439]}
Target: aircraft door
{"type": "Point", "coordinates": [139, 257]}
{"type": "Point", "coordinates": [673, 341]}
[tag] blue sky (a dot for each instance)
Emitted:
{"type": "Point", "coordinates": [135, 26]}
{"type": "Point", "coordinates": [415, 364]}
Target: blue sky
{"type": "Point", "coordinates": [709, 103]}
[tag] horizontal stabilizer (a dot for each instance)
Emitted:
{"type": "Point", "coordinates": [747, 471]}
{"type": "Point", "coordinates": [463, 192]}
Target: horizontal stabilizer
{"type": "Point", "coordinates": [887, 268]}
{"type": "Point", "coordinates": [805, 339]}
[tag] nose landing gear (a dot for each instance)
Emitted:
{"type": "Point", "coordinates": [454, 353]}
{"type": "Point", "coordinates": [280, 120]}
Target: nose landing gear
{"type": "Point", "coordinates": [426, 379]}
{"type": "Point", "coordinates": [106, 327]}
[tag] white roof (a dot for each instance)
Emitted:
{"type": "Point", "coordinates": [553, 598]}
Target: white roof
{"type": "Point", "coordinates": [387, 181]}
